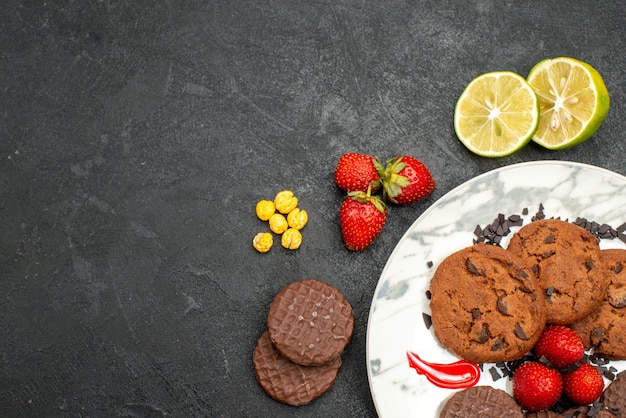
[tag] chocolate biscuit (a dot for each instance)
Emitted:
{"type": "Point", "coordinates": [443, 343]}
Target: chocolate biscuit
{"type": "Point", "coordinates": [605, 327]}
{"type": "Point", "coordinates": [614, 397]}
{"type": "Point", "coordinates": [481, 401]}
{"type": "Point", "coordinates": [288, 382]}
{"type": "Point", "coordinates": [310, 322]}
{"type": "Point", "coordinates": [543, 414]}
{"type": "Point", "coordinates": [485, 304]}
{"type": "Point", "coordinates": [565, 259]}
{"type": "Point", "coordinates": [585, 411]}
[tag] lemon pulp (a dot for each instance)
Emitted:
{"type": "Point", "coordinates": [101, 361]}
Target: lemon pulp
{"type": "Point", "coordinates": [573, 101]}
{"type": "Point", "coordinates": [497, 114]}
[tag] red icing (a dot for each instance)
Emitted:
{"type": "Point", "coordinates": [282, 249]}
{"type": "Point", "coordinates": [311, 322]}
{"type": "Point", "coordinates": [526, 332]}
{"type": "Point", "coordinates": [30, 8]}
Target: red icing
{"type": "Point", "coordinates": [458, 375]}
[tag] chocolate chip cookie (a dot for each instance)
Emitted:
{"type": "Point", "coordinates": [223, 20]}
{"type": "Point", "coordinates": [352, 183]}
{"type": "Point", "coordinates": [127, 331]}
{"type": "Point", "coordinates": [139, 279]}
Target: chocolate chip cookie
{"type": "Point", "coordinates": [485, 305]}
{"type": "Point", "coordinates": [605, 327]}
{"type": "Point", "coordinates": [565, 259]}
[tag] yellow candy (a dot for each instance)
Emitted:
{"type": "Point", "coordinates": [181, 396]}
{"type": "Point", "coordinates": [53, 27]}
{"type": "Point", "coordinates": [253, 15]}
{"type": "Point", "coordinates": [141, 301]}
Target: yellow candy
{"type": "Point", "coordinates": [297, 218]}
{"type": "Point", "coordinates": [265, 209]}
{"type": "Point", "coordinates": [278, 223]}
{"type": "Point", "coordinates": [285, 201]}
{"type": "Point", "coordinates": [291, 239]}
{"type": "Point", "coordinates": [262, 242]}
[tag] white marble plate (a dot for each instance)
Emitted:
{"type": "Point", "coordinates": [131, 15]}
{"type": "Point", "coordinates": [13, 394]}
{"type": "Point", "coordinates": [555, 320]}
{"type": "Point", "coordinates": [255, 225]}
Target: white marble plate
{"type": "Point", "coordinates": [395, 325]}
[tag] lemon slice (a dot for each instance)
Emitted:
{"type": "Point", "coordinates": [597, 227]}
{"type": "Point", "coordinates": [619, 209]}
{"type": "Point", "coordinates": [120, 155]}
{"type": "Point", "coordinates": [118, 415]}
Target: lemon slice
{"type": "Point", "coordinates": [573, 101]}
{"type": "Point", "coordinates": [497, 114]}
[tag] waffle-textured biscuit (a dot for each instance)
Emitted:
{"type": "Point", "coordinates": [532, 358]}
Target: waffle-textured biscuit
{"type": "Point", "coordinates": [583, 412]}
{"type": "Point", "coordinates": [310, 322]}
{"type": "Point", "coordinates": [605, 327]}
{"type": "Point", "coordinates": [614, 397]}
{"type": "Point", "coordinates": [485, 305]}
{"type": "Point", "coordinates": [565, 259]}
{"type": "Point", "coordinates": [483, 402]}
{"type": "Point", "coordinates": [288, 382]}
{"type": "Point", "coordinates": [543, 414]}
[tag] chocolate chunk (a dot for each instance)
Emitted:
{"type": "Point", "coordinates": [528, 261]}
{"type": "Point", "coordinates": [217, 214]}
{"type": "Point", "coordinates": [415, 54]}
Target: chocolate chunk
{"type": "Point", "coordinates": [597, 334]}
{"type": "Point", "coordinates": [617, 297]}
{"type": "Point", "coordinates": [498, 344]}
{"type": "Point", "coordinates": [618, 268]}
{"type": "Point", "coordinates": [550, 291]}
{"type": "Point", "coordinates": [428, 294]}
{"type": "Point", "coordinates": [501, 305]}
{"type": "Point", "coordinates": [590, 263]}
{"type": "Point", "coordinates": [522, 273]}
{"type": "Point", "coordinates": [535, 269]}
{"type": "Point", "coordinates": [427, 320]}
{"type": "Point", "coordinates": [519, 332]}
{"type": "Point", "coordinates": [549, 240]}
{"type": "Point", "coordinates": [495, 374]}
{"type": "Point", "coordinates": [472, 268]}
{"type": "Point", "coordinates": [429, 264]}
{"type": "Point", "coordinates": [483, 334]}
{"type": "Point", "coordinates": [476, 313]}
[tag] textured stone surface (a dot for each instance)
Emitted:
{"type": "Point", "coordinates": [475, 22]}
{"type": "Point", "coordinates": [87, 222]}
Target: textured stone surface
{"type": "Point", "coordinates": [137, 137]}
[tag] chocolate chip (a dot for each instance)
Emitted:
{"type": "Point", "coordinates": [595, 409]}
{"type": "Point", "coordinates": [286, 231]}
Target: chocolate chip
{"type": "Point", "coordinates": [520, 333]}
{"type": "Point", "coordinates": [549, 240]}
{"type": "Point", "coordinates": [522, 273]}
{"type": "Point", "coordinates": [495, 374]}
{"type": "Point", "coordinates": [550, 291]}
{"type": "Point", "coordinates": [618, 268]}
{"type": "Point", "coordinates": [590, 264]}
{"type": "Point", "coordinates": [498, 344]}
{"type": "Point", "coordinates": [428, 321]}
{"type": "Point", "coordinates": [617, 297]}
{"type": "Point", "coordinates": [501, 305]}
{"type": "Point", "coordinates": [472, 268]}
{"type": "Point", "coordinates": [429, 264]}
{"type": "Point", "coordinates": [597, 334]}
{"type": "Point", "coordinates": [484, 334]}
{"type": "Point", "coordinates": [476, 313]}
{"type": "Point", "coordinates": [525, 211]}
{"type": "Point", "coordinates": [428, 295]}
{"type": "Point", "coordinates": [535, 269]}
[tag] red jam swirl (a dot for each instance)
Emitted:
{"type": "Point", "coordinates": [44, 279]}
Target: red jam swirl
{"type": "Point", "coordinates": [458, 375]}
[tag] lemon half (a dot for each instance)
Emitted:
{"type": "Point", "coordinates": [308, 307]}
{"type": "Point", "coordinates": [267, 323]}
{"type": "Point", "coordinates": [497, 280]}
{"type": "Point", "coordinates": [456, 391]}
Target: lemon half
{"type": "Point", "coordinates": [573, 101]}
{"type": "Point", "coordinates": [497, 114]}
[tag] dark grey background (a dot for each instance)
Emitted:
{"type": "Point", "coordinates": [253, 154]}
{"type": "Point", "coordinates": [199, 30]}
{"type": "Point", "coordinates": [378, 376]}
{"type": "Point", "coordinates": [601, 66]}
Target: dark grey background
{"type": "Point", "coordinates": [137, 137]}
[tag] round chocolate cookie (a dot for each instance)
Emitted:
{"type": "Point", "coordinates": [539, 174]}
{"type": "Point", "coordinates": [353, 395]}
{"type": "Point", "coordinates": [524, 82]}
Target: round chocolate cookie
{"type": "Point", "coordinates": [565, 259]}
{"type": "Point", "coordinates": [543, 414]}
{"type": "Point", "coordinates": [288, 382]}
{"type": "Point", "coordinates": [605, 327]}
{"type": "Point", "coordinates": [481, 401]}
{"type": "Point", "coordinates": [485, 305]}
{"type": "Point", "coordinates": [310, 322]}
{"type": "Point", "coordinates": [614, 397]}
{"type": "Point", "coordinates": [584, 412]}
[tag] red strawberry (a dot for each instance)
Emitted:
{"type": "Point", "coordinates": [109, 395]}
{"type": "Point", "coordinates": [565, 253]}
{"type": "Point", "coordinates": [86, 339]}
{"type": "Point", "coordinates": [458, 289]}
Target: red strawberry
{"type": "Point", "coordinates": [536, 386]}
{"type": "Point", "coordinates": [357, 172]}
{"type": "Point", "coordinates": [362, 217]}
{"type": "Point", "coordinates": [560, 345]}
{"type": "Point", "coordinates": [584, 385]}
{"type": "Point", "coordinates": [406, 180]}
